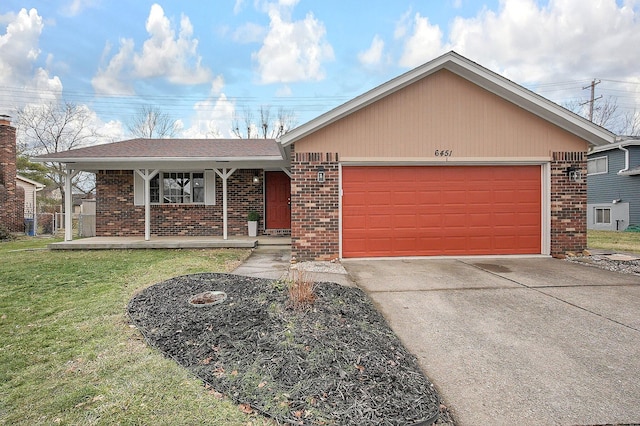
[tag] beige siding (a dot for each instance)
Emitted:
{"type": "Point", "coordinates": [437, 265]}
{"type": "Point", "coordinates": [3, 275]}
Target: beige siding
{"type": "Point", "coordinates": [29, 198]}
{"type": "Point", "coordinates": [441, 112]}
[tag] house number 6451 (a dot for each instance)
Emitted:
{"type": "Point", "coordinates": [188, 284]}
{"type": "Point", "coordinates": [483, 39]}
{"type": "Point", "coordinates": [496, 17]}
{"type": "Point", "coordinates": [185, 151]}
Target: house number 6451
{"type": "Point", "coordinates": [444, 152]}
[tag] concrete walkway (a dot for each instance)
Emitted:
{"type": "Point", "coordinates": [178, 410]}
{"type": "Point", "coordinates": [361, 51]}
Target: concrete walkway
{"type": "Point", "coordinates": [274, 262]}
{"type": "Point", "coordinates": [270, 262]}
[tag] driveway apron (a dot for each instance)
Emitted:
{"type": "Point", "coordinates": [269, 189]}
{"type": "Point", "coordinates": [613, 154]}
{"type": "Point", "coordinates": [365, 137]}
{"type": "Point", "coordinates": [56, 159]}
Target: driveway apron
{"type": "Point", "coordinates": [527, 341]}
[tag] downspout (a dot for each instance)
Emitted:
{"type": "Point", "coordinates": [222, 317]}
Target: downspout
{"type": "Point", "coordinates": [626, 159]}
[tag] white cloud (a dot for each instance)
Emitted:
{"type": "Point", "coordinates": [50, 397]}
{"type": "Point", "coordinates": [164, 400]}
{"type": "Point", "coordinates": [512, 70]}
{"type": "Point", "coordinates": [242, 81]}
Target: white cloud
{"type": "Point", "coordinates": [249, 33]}
{"type": "Point", "coordinates": [423, 43]}
{"type": "Point", "coordinates": [110, 131]}
{"type": "Point", "coordinates": [402, 26]}
{"type": "Point", "coordinates": [284, 91]}
{"type": "Point", "coordinates": [109, 81]}
{"type": "Point", "coordinates": [217, 85]}
{"type": "Point", "coordinates": [238, 6]}
{"type": "Point", "coordinates": [373, 55]}
{"type": "Point", "coordinates": [75, 7]}
{"type": "Point", "coordinates": [213, 118]}
{"type": "Point", "coordinates": [292, 50]}
{"type": "Point", "coordinates": [164, 54]}
{"type": "Point", "coordinates": [19, 56]}
{"type": "Point", "coordinates": [531, 42]}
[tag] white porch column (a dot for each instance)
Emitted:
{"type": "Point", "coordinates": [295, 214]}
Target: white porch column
{"type": "Point", "coordinates": [224, 175]}
{"type": "Point", "coordinates": [147, 175]}
{"type": "Point", "coordinates": [68, 203]}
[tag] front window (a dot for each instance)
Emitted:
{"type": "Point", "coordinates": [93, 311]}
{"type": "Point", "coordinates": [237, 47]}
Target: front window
{"type": "Point", "coordinates": [596, 166]}
{"type": "Point", "coordinates": [603, 215]}
{"type": "Point", "coordinates": [177, 188]}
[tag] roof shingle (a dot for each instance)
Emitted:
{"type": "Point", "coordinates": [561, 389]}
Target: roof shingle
{"type": "Point", "coordinates": [174, 148]}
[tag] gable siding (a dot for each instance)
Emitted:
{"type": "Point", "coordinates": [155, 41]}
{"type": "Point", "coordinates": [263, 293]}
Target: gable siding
{"type": "Point", "coordinates": [442, 111]}
{"type": "Point", "coordinates": [604, 188]}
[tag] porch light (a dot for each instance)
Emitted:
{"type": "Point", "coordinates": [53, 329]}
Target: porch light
{"type": "Point", "coordinates": [256, 179]}
{"type": "Point", "coordinates": [573, 173]}
{"type": "Point", "coordinates": [321, 174]}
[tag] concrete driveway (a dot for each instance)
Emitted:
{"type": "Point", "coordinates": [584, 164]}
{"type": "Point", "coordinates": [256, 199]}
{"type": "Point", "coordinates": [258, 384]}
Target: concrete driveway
{"type": "Point", "coordinates": [534, 341]}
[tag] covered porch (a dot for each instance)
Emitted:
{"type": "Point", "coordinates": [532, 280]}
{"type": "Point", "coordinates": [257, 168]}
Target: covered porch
{"type": "Point", "coordinates": [137, 243]}
{"type": "Point", "coordinates": [161, 191]}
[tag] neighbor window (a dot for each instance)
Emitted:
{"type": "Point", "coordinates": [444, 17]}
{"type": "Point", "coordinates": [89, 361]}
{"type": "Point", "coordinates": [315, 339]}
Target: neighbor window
{"type": "Point", "coordinates": [603, 215]}
{"type": "Point", "coordinates": [596, 166]}
{"type": "Point", "coordinates": [177, 187]}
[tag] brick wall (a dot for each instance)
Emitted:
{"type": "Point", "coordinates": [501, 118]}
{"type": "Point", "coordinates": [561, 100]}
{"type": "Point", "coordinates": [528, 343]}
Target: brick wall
{"type": "Point", "coordinates": [314, 207]}
{"type": "Point", "coordinates": [568, 204]}
{"type": "Point", "coordinates": [116, 214]}
{"type": "Point", "coordinates": [11, 195]}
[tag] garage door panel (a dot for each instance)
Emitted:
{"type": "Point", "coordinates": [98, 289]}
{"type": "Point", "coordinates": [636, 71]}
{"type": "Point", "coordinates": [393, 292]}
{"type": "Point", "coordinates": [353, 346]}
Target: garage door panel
{"type": "Point", "coordinates": [451, 210]}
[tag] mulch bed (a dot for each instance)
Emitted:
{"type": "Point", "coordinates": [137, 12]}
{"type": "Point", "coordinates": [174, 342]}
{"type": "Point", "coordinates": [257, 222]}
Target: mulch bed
{"type": "Point", "coordinates": [336, 362]}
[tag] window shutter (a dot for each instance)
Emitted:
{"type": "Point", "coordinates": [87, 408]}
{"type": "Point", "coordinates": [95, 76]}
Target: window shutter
{"type": "Point", "coordinates": [138, 189]}
{"type": "Point", "coordinates": [209, 187]}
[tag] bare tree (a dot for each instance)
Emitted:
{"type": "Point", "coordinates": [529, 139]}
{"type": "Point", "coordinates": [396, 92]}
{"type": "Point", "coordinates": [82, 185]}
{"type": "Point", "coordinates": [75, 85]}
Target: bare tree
{"type": "Point", "coordinates": [56, 127]}
{"type": "Point", "coordinates": [606, 114]}
{"type": "Point", "coordinates": [266, 126]}
{"type": "Point", "coordinates": [630, 124]}
{"type": "Point", "coordinates": [150, 122]}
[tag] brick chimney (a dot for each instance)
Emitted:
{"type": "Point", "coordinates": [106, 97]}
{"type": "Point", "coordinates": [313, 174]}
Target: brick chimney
{"type": "Point", "coordinates": [11, 196]}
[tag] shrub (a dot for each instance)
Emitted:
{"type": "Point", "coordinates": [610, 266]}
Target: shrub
{"type": "Point", "coordinates": [301, 291]}
{"type": "Point", "coordinates": [5, 235]}
{"type": "Point", "coordinates": [253, 216]}
{"type": "Point", "coordinates": [45, 224]}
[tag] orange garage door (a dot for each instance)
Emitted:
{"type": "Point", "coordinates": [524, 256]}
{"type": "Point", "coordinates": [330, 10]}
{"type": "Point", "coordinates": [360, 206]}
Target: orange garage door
{"type": "Point", "coordinates": [441, 210]}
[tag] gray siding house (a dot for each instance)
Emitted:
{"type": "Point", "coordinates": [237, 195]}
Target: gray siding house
{"type": "Point", "coordinates": [613, 186]}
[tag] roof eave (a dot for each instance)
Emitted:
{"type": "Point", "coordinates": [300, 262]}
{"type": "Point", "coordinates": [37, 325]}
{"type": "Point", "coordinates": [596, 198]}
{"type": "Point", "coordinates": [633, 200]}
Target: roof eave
{"type": "Point", "coordinates": [616, 145]}
{"type": "Point", "coordinates": [31, 181]}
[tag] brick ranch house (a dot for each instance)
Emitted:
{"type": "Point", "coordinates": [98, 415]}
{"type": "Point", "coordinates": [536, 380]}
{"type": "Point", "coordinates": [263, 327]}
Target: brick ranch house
{"type": "Point", "coordinates": [447, 159]}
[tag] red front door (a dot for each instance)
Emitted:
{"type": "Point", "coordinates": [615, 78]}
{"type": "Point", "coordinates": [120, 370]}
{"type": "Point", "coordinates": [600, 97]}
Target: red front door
{"type": "Point", "coordinates": [278, 195]}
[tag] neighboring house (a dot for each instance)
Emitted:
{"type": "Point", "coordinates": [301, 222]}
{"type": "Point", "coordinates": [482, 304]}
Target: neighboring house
{"type": "Point", "coordinates": [613, 195]}
{"type": "Point", "coordinates": [12, 197]}
{"type": "Point", "coordinates": [31, 189]}
{"type": "Point", "coordinates": [446, 159]}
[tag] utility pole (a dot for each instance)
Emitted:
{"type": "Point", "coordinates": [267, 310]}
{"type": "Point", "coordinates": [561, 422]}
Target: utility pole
{"type": "Point", "coordinates": [592, 99]}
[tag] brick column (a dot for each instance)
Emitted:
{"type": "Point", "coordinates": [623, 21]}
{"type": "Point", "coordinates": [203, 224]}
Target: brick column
{"type": "Point", "coordinates": [314, 206]}
{"type": "Point", "coordinates": [11, 196]}
{"type": "Point", "coordinates": [568, 204]}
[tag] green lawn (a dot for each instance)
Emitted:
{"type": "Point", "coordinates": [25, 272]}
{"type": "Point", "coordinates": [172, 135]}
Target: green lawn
{"type": "Point", "coordinates": [614, 241]}
{"type": "Point", "coordinates": [68, 354]}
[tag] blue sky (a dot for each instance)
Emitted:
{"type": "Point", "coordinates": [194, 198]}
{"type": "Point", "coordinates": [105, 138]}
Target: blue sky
{"type": "Point", "coordinates": [202, 61]}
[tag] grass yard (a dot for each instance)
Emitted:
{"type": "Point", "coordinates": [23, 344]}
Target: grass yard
{"type": "Point", "coordinates": [614, 241]}
{"type": "Point", "coordinates": [67, 353]}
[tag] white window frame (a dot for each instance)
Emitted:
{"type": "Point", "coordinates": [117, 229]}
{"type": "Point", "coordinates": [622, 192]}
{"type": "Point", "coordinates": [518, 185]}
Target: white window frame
{"type": "Point", "coordinates": [596, 161]}
{"type": "Point", "coordinates": [595, 215]}
{"type": "Point", "coordinates": [165, 194]}
{"type": "Point", "coordinates": [209, 188]}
